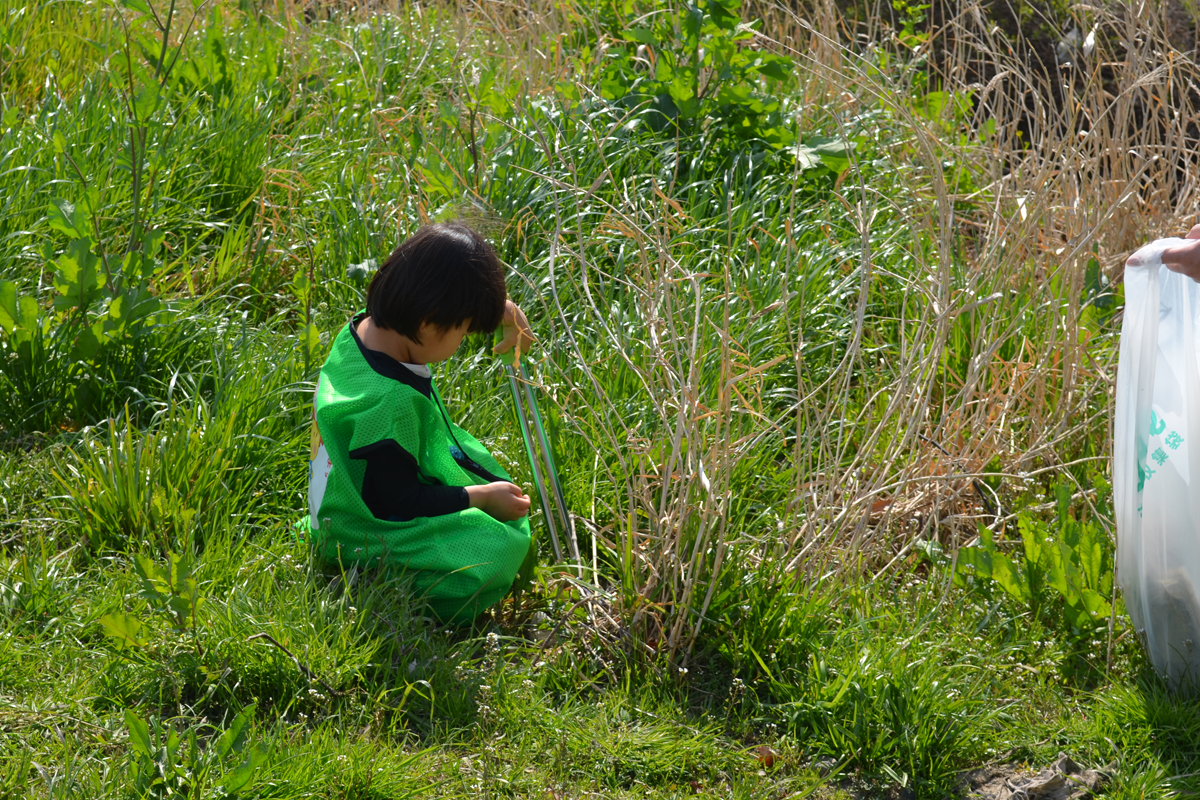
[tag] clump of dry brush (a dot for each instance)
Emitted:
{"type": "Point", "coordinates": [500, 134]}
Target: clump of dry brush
{"type": "Point", "coordinates": [964, 269]}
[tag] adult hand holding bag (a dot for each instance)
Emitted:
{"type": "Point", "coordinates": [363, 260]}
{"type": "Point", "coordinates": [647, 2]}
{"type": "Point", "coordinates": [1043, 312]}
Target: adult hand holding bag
{"type": "Point", "coordinates": [1156, 465]}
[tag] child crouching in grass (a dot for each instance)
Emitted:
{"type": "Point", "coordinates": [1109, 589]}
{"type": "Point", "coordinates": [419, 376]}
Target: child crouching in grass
{"type": "Point", "coordinates": [392, 481]}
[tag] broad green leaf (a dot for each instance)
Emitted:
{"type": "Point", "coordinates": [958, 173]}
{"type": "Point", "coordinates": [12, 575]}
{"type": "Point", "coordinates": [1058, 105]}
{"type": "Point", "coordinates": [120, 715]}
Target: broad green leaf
{"type": "Point", "coordinates": [234, 739]}
{"type": "Point", "coordinates": [77, 278]}
{"type": "Point", "coordinates": [1033, 539]}
{"type": "Point", "coordinates": [692, 19]}
{"type": "Point", "coordinates": [66, 217]}
{"type": "Point", "coordinates": [977, 559]}
{"type": "Point", "coordinates": [833, 152]}
{"type": "Point", "coordinates": [117, 315]}
{"type": "Point", "coordinates": [215, 60]}
{"type": "Point", "coordinates": [829, 152]}
{"type": "Point", "coordinates": [136, 267]}
{"type": "Point", "coordinates": [806, 157]}
{"type": "Point", "coordinates": [181, 607]}
{"type": "Point", "coordinates": [362, 271]}
{"type": "Point", "coordinates": [438, 178]}
{"type": "Point", "coordinates": [1009, 578]}
{"type": "Point", "coordinates": [1062, 497]}
{"type": "Point", "coordinates": [193, 755]}
{"type": "Point", "coordinates": [775, 66]}
{"type": "Point", "coordinates": [1077, 616]}
{"type": "Point", "coordinates": [151, 241]}
{"type": "Point", "coordinates": [141, 6]}
{"type": "Point", "coordinates": [89, 341]}
{"type": "Point", "coordinates": [146, 101]}
{"type": "Point", "coordinates": [641, 35]}
{"type": "Point", "coordinates": [664, 72]}
{"type": "Point", "coordinates": [724, 13]}
{"type": "Point", "coordinates": [933, 104]}
{"type": "Point", "coordinates": [448, 113]}
{"type": "Point", "coordinates": [1064, 573]}
{"type": "Point", "coordinates": [27, 313]}
{"type": "Point", "coordinates": [682, 93]}
{"type": "Point", "coordinates": [737, 94]}
{"type": "Point", "coordinates": [301, 285]}
{"type": "Point", "coordinates": [1091, 555]}
{"type": "Point", "coordinates": [242, 775]}
{"type": "Point", "coordinates": [569, 90]}
{"type": "Point", "coordinates": [137, 305]}
{"type": "Point", "coordinates": [498, 103]}
{"type": "Point", "coordinates": [180, 569]}
{"type": "Point", "coordinates": [154, 580]}
{"type": "Point", "coordinates": [150, 50]}
{"type": "Point", "coordinates": [124, 630]}
{"type": "Point", "coordinates": [312, 338]}
{"type": "Point", "coordinates": [139, 734]}
{"type": "Point", "coordinates": [8, 306]}
{"type": "Point", "coordinates": [1095, 603]}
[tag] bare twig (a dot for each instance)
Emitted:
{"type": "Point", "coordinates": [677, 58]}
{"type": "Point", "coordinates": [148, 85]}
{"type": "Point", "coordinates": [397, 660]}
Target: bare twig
{"type": "Point", "coordinates": [308, 673]}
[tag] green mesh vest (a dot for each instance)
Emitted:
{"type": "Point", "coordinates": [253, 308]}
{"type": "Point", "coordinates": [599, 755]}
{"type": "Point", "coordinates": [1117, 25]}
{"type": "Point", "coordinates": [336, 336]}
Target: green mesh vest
{"type": "Point", "coordinates": [461, 562]}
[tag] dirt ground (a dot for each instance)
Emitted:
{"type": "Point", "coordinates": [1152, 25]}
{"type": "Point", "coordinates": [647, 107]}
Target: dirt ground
{"type": "Point", "coordinates": [1062, 780]}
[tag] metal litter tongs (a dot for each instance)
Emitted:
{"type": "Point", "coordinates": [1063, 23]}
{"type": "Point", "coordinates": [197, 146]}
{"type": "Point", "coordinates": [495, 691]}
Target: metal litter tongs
{"type": "Point", "coordinates": [529, 418]}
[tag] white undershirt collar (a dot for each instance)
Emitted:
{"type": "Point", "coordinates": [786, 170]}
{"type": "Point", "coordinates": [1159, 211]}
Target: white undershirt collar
{"type": "Point", "coordinates": [420, 369]}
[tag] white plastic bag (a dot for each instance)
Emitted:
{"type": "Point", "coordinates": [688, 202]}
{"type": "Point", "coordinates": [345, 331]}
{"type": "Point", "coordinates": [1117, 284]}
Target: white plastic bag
{"type": "Point", "coordinates": [1155, 461]}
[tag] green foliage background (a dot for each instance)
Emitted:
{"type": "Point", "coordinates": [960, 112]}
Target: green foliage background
{"type": "Point", "coordinates": [771, 353]}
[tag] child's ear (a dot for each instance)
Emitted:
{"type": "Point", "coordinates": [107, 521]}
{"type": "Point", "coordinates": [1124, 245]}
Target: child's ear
{"type": "Point", "coordinates": [425, 331]}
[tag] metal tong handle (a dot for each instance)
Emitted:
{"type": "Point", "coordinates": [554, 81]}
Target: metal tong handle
{"type": "Point", "coordinates": [551, 469]}
{"type": "Point", "coordinates": [529, 417]}
{"type": "Point", "coordinates": [539, 484]}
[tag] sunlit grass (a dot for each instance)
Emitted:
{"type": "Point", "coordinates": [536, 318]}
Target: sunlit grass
{"type": "Point", "coordinates": [769, 384]}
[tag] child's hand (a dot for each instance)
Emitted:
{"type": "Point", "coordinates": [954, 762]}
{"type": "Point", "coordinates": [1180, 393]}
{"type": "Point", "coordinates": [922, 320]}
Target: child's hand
{"type": "Point", "coordinates": [1185, 258]}
{"type": "Point", "coordinates": [503, 500]}
{"type": "Point", "coordinates": [516, 331]}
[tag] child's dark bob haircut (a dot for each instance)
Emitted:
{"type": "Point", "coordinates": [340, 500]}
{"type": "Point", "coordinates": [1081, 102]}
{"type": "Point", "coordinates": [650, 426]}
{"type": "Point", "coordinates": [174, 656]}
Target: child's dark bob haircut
{"type": "Point", "coordinates": [444, 275]}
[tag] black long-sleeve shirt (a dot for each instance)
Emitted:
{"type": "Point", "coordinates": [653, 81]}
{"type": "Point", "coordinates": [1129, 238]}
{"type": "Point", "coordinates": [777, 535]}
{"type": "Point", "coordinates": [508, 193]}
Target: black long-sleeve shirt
{"type": "Point", "coordinates": [393, 491]}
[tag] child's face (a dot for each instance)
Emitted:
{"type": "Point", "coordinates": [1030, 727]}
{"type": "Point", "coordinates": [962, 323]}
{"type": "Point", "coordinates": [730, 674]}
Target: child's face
{"type": "Point", "coordinates": [438, 344]}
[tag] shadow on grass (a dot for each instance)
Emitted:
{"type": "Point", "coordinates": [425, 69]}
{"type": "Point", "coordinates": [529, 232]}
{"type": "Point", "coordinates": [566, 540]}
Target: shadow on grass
{"type": "Point", "coordinates": [1154, 730]}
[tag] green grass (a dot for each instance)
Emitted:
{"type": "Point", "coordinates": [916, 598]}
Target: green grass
{"type": "Point", "coordinates": [767, 387]}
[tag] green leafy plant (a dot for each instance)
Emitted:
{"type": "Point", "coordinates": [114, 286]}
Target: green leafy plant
{"type": "Point", "coordinates": [104, 299]}
{"type": "Point", "coordinates": [693, 62]}
{"type": "Point", "coordinates": [18, 319]}
{"type": "Point", "coordinates": [173, 593]}
{"type": "Point", "coordinates": [1064, 572]}
{"type": "Point", "coordinates": [103, 271]}
{"type": "Point", "coordinates": [171, 764]}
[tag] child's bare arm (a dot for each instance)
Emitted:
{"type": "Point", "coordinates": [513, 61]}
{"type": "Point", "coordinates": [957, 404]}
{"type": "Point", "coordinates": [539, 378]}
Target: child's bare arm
{"type": "Point", "coordinates": [503, 500]}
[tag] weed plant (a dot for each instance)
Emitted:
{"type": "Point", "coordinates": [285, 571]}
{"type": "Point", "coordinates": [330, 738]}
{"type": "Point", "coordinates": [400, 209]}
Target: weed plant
{"type": "Point", "coordinates": [827, 305]}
